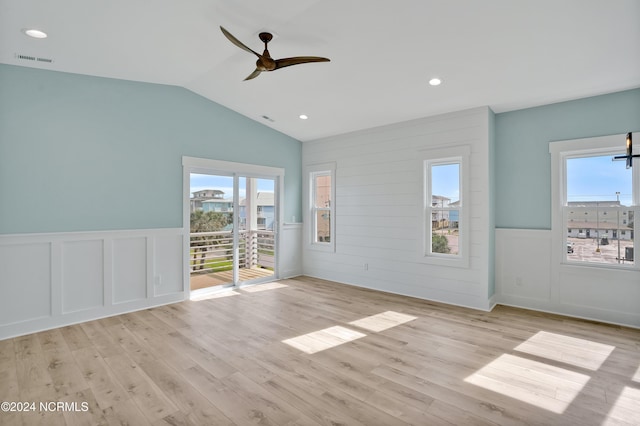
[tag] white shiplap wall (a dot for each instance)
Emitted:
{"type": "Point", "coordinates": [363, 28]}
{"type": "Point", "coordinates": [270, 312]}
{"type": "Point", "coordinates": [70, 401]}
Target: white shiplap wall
{"type": "Point", "coordinates": [378, 213]}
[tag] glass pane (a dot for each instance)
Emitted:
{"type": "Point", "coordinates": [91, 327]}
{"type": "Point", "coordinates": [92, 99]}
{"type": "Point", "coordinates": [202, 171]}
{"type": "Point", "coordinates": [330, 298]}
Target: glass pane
{"type": "Point", "coordinates": [256, 249]}
{"type": "Point", "coordinates": [444, 238]}
{"type": "Point", "coordinates": [322, 186]}
{"type": "Point", "coordinates": [600, 235]}
{"type": "Point", "coordinates": [592, 180]}
{"type": "Point", "coordinates": [323, 226]}
{"type": "Point", "coordinates": [445, 184]}
{"type": "Point", "coordinates": [445, 201]}
{"type": "Point", "coordinates": [211, 233]}
{"type": "Point", "coordinates": [599, 227]}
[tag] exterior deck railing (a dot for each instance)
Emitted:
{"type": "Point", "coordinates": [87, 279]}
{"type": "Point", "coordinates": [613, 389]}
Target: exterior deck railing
{"type": "Point", "coordinates": [213, 251]}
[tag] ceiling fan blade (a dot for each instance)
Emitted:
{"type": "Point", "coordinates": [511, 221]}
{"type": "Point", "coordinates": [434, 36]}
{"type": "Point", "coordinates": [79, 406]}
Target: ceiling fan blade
{"type": "Point", "coordinates": [286, 62]}
{"type": "Point", "coordinates": [237, 42]}
{"type": "Point", "coordinates": [253, 75]}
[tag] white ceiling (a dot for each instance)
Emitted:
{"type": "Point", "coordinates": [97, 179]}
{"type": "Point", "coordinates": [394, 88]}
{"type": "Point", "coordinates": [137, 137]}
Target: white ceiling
{"type": "Point", "coordinates": [507, 54]}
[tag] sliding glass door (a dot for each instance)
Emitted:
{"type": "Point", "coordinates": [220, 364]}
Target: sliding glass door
{"type": "Point", "coordinates": [211, 252]}
{"type": "Point", "coordinates": [232, 229]}
{"type": "Point", "coordinates": [257, 220]}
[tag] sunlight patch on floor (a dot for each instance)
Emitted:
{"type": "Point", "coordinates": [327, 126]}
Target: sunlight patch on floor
{"type": "Point", "coordinates": [214, 295]}
{"type": "Point", "coordinates": [627, 406]}
{"type": "Point", "coordinates": [383, 321]}
{"type": "Point", "coordinates": [262, 287]}
{"type": "Point", "coordinates": [569, 350]}
{"type": "Point", "coordinates": [323, 339]}
{"type": "Point", "coordinates": [536, 383]}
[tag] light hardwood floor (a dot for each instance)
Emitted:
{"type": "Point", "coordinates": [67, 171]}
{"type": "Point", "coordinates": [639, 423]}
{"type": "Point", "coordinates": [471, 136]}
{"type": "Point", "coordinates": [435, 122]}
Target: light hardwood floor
{"type": "Point", "coordinates": [310, 352]}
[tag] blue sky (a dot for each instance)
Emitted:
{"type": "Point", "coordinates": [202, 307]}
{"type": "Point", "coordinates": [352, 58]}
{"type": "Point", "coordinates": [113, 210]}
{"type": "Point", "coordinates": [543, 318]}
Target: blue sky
{"type": "Point", "coordinates": [225, 183]}
{"type": "Point", "coordinates": [598, 179]}
{"type": "Point", "coordinates": [445, 181]}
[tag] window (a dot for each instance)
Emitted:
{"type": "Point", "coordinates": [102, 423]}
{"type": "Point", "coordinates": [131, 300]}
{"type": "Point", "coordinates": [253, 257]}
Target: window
{"type": "Point", "coordinates": [445, 207]}
{"type": "Point", "coordinates": [322, 206]}
{"type": "Point", "coordinates": [600, 194]}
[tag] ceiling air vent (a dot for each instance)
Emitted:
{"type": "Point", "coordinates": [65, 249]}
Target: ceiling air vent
{"type": "Point", "coordinates": [33, 58]}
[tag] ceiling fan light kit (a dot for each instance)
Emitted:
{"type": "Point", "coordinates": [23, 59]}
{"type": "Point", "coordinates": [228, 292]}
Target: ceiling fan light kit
{"type": "Point", "coordinates": [629, 155]}
{"type": "Point", "coordinates": [265, 62]}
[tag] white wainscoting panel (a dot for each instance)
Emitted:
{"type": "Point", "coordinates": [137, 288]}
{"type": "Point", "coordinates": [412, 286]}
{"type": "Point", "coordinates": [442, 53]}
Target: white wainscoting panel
{"type": "Point", "coordinates": [82, 275]}
{"type": "Point", "coordinates": [527, 276]}
{"type": "Point", "coordinates": [167, 265]}
{"type": "Point", "coordinates": [129, 269]}
{"type": "Point", "coordinates": [25, 275]}
{"type": "Point", "coordinates": [57, 279]}
{"type": "Point", "coordinates": [523, 265]}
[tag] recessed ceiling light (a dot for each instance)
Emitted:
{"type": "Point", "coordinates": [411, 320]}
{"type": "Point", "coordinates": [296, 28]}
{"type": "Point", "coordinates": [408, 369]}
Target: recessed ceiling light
{"type": "Point", "coordinates": [435, 81]}
{"type": "Point", "coordinates": [35, 33]}
{"type": "Point", "coordinates": [303, 117]}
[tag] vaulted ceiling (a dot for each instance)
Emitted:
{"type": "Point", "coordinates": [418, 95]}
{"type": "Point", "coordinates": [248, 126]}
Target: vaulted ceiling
{"type": "Point", "coordinates": [502, 53]}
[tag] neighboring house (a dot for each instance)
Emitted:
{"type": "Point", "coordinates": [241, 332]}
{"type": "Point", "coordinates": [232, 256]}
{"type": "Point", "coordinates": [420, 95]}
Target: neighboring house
{"type": "Point", "coordinates": [599, 219]}
{"type": "Point", "coordinates": [443, 218]}
{"type": "Point", "coordinates": [223, 205]}
{"type": "Point", "coordinates": [454, 215]}
{"type": "Point", "coordinates": [214, 201]}
{"type": "Point", "coordinates": [322, 201]}
{"type": "Point", "coordinates": [266, 211]}
{"type": "Point", "coordinates": [198, 197]}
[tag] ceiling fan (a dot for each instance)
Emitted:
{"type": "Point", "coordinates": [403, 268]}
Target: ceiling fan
{"type": "Point", "coordinates": [265, 62]}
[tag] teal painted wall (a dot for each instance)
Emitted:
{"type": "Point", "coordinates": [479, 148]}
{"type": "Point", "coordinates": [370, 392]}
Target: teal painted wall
{"type": "Point", "coordinates": [522, 160]}
{"type": "Point", "coordinates": [81, 153]}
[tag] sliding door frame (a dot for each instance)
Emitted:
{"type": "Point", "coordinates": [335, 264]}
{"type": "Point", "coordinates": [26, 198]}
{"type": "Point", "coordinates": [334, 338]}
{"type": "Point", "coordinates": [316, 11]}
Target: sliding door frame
{"type": "Point", "coordinates": [228, 168]}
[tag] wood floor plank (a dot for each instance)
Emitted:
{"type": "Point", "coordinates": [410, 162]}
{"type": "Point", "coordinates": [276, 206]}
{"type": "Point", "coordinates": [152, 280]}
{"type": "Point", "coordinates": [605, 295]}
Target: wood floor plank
{"type": "Point", "coordinates": [200, 355]}
{"type": "Point", "coordinates": [125, 413]}
{"type": "Point", "coordinates": [93, 415]}
{"type": "Point", "coordinates": [147, 396]}
{"type": "Point", "coordinates": [308, 403]}
{"type": "Point", "coordinates": [31, 366]}
{"type": "Point", "coordinates": [61, 365]}
{"type": "Point", "coordinates": [182, 393]}
{"type": "Point", "coordinates": [75, 337]}
{"type": "Point", "coordinates": [104, 387]}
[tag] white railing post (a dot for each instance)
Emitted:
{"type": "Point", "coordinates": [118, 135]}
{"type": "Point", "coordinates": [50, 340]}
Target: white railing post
{"type": "Point", "coordinates": [252, 249]}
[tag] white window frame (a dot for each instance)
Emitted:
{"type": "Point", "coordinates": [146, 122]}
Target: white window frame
{"type": "Point", "coordinates": [441, 156]}
{"type": "Point", "coordinates": [597, 146]}
{"type": "Point", "coordinates": [311, 171]}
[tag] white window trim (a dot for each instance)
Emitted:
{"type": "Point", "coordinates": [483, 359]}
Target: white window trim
{"type": "Point", "coordinates": [562, 150]}
{"type": "Point", "coordinates": [445, 155]}
{"type": "Point", "coordinates": [310, 171]}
